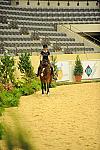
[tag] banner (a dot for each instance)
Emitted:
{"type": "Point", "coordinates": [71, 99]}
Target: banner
{"type": "Point", "coordinates": [63, 70]}
{"type": "Point", "coordinates": [91, 69]}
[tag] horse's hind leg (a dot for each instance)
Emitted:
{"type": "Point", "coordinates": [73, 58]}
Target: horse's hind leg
{"type": "Point", "coordinates": [42, 88]}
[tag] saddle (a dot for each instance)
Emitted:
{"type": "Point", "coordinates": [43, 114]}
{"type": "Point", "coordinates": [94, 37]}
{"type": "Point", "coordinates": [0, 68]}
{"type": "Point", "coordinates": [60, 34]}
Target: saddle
{"type": "Point", "coordinates": [45, 63]}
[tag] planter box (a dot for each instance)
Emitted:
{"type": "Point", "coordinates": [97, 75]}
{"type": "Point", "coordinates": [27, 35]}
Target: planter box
{"type": "Point", "coordinates": [78, 78]}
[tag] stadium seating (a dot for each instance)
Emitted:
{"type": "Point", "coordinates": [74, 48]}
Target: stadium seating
{"type": "Point", "coordinates": [44, 22]}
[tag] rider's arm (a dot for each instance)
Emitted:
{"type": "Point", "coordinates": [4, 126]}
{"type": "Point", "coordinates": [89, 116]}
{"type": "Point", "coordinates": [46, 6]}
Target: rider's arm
{"type": "Point", "coordinates": [49, 56]}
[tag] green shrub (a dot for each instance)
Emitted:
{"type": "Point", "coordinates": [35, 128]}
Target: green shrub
{"type": "Point", "coordinates": [29, 86]}
{"type": "Point", "coordinates": [25, 65]}
{"type": "Point", "coordinates": [53, 84]}
{"type": "Point", "coordinates": [7, 69]}
{"type": "Point", "coordinates": [27, 90]}
{"type": "Point", "coordinates": [9, 99]}
{"type": "Point", "coordinates": [36, 84]}
{"type": "Point", "coordinates": [16, 138]}
{"type": "Point", "coordinates": [18, 84]}
{"type": "Point", "coordinates": [16, 92]}
{"type": "Point", "coordinates": [1, 108]}
{"type": "Point", "coordinates": [1, 131]}
{"type": "Point", "coordinates": [78, 69]}
{"type": "Point", "coordinates": [1, 87]}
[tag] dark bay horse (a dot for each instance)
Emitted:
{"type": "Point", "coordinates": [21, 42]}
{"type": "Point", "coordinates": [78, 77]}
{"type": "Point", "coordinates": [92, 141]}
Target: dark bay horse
{"type": "Point", "coordinates": [45, 76]}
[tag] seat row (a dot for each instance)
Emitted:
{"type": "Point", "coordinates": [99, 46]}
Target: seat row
{"type": "Point", "coordinates": [30, 43]}
{"type": "Point", "coordinates": [56, 19]}
{"type": "Point", "coordinates": [36, 30]}
{"type": "Point", "coordinates": [49, 9]}
{"type": "Point", "coordinates": [49, 14]}
{"type": "Point", "coordinates": [35, 49]}
{"type": "Point", "coordinates": [81, 49]}
{"type": "Point", "coordinates": [5, 3]}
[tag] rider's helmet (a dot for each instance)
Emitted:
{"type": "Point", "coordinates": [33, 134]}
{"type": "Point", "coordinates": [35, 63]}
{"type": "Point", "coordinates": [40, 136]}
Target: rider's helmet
{"type": "Point", "coordinates": [45, 46]}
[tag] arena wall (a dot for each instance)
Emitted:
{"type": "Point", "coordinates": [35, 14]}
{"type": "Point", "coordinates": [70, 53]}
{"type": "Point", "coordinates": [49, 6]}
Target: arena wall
{"type": "Point", "coordinates": [61, 57]}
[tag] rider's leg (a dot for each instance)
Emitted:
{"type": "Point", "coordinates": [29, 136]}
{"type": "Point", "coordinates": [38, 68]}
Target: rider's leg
{"type": "Point", "coordinates": [39, 68]}
{"type": "Point", "coordinates": [51, 69]}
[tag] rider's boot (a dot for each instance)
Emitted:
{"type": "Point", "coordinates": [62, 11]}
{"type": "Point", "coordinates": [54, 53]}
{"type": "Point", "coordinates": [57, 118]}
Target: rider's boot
{"type": "Point", "coordinates": [52, 72]}
{"type": "Point", "coordinates": [38, 71]}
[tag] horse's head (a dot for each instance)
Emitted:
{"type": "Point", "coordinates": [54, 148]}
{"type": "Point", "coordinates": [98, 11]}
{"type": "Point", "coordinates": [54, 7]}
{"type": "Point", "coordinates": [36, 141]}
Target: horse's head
{"type": "Point", "coordinates": [45, 69]}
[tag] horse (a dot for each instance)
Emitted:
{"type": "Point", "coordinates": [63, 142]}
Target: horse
{"type": "Point", "coordinates": [45, 76]}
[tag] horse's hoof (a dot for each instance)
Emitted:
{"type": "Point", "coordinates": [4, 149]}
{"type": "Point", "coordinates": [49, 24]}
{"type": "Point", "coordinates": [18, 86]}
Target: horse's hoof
{"type": "Point", "coordinates": [42, 94]}
{"type": "Point", "coordinates": [48, 93]}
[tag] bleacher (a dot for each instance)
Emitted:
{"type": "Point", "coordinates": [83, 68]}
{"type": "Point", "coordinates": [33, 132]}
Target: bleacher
{"type": "Point", "coordinates": [43, 21]}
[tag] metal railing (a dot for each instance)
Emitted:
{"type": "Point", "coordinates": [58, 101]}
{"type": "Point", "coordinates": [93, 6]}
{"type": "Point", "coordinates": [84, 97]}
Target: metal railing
{"type": "Point", "coordinates": [82, 38]}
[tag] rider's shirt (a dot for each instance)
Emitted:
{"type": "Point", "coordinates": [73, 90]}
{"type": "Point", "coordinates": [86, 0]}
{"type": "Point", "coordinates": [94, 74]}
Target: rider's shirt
{"type": "Point", "coordinates": [45, 54]}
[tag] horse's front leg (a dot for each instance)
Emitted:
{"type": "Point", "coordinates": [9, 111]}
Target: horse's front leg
{"type": "Point", "coordinates": [42, 87]}
{"type": "Point", "coordinates": [48, 85]}
{"type": "Point", "coordinates": [45, 87]}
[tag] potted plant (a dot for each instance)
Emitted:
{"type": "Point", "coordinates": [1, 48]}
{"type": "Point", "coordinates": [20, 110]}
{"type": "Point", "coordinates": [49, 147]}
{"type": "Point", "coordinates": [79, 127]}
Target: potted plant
{"type": "Point", "coordinates": [78, 69]}
{"type": "Point", "coordinates": [55, 69]}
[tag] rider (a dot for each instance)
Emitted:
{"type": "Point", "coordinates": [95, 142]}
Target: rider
{"type": "Point", "coordinates": [45, 55]}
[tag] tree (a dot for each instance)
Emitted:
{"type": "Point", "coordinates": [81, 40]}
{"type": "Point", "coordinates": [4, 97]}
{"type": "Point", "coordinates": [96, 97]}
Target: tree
{"type": "Point", "coordinates": [7, 69]}
{"type": "Point", "coordinates": [78, 69]}
{"type": "Point", "coordinates": [25, 65]}
{"type": "Point", "coordinates": [55, 69]}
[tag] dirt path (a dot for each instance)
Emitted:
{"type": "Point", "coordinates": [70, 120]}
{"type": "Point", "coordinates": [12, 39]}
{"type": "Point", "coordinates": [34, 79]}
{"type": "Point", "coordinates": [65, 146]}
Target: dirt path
{"type": "Point", "coordinates": [68, 119]}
